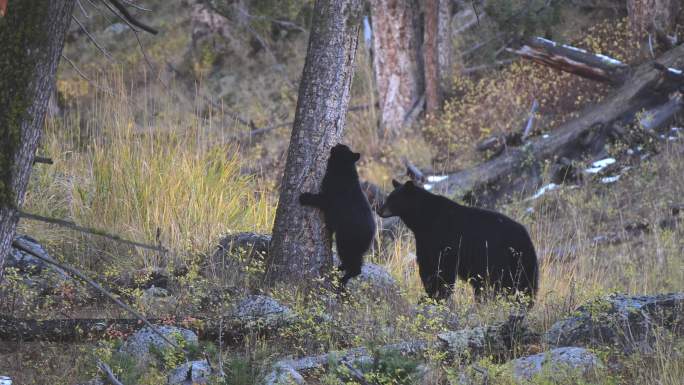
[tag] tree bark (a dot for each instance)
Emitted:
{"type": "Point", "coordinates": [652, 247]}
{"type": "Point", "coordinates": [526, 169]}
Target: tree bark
{"type": "Point", "coordinates": [656, 17]}
{"type": "Point", "coordinates": [433, 92]}
{"type": "Point", "coordinates": [397, 60]}
{"type": "Point", "coordinates": [445, 45]}
{"type": "Point", "coordinates": [31, 39]}
{"type": "Point", "coordinates": [301, 244]}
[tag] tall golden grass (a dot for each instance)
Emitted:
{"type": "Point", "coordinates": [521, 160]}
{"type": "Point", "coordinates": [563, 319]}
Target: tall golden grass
{"type": "Point", "coordinates": [174, 179]}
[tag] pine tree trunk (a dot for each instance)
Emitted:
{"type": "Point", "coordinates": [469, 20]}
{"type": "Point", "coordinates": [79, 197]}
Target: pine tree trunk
{"type": "Point", "coordinates": [656, 17]}
{"type": "Point", "coordinates": [301, 243]}
{"type": "Point", "coordinates": [433, 97]}
{"type": "Point", "coordinates": [31, 39]}
{"type": "Point", "coordinates": [445, 46]}
{"type": "Point", "coordinates": [397, 60]}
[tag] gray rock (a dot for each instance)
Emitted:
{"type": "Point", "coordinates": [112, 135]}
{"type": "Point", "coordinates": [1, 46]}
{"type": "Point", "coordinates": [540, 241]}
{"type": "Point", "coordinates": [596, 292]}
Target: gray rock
{"type": "Point", "coordinates": [190, 373]}
{"type": "Point", "coordinates": [251, 243]}
{"type": "Point", "coordinates": [627, 321]}
{"type": "Point", "coordinates": [157, 300]}
{"type": "Point", "coordinates": [470, 343]}
{"type": "Point", "coordinates": [262, 311]}
{"type": "Point", "coordinates": [572, 360]}
{"type": "Point", "coordinates": [235, 252]}
{"type": "Point", "coordinates": [139, 343]}
{"type": "Point", "coordinates": [27, 263]}
{"type": "Point", "coordinates": [155, 292]}
{"type": "Point", "coordinates": [437, 312]}
{"type": "Point", "coordinates": [283, 374]}
{"type": "Point", "coordinates": [373, 276]}
{"type": "Point", "coordinates": [356, 357]}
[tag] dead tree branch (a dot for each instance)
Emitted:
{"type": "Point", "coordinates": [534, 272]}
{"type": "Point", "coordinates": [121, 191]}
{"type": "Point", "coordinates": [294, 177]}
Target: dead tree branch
{"type": "Point", "coordinates": [74, 226]}
{"type": "Point", "coordinates": [530, 120]}
{"type": "Point", "coordinates": [42, 159]}
{"type": "Point", "coordinates": [126, 16]}
{"type": "Point", "coordinates": [136, 6]}
{"type": "Point", "coordinates": [111, 377]}
{"type": "Point", "coordinates": [414, 172]}
{"type": "Point", "coordinates": [656, 118]}
{"type": "Point", "coordinates": [92, 39]}
{"type": "Point", "coordinates": [17, 243]}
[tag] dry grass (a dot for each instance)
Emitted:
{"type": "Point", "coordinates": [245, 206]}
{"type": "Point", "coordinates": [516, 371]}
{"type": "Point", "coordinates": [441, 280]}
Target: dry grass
{"type": "Point", "coordinates": [139, 162]}
{"type": "Point", "coordinates": [163, 178]}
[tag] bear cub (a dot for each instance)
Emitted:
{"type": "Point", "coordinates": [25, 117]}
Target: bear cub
{"type": "Point", "coordinates": [346, 210]}
{"type": "Point", "coordinates": [485, 248]}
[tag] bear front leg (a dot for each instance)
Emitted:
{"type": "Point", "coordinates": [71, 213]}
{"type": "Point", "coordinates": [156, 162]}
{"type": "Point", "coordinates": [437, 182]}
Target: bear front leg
{"type": "Point", "coordinates": [310, 199]}
{"type": "Point", "coordinates": [350, 274]}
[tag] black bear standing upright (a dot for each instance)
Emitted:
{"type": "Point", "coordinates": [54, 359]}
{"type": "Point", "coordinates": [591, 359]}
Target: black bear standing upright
{"type": "Point", "coordinates": [345, 208]}
{"type": "Point", "coordinates": [486, 248]}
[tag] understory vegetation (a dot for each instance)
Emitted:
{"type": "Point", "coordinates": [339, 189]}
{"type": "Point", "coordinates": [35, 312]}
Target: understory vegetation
{"type": "Point", "coordinates": [140, 152]}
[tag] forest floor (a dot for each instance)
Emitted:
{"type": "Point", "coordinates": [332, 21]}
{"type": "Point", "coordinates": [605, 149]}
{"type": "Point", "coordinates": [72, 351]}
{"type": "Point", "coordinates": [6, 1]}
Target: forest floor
{"type": "Point", "coordinates": [151, 160]}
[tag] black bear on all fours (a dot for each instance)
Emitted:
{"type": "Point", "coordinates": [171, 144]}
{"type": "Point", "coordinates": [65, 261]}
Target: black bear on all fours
{"type": "Point", "coordinates": [486, 248]}
{"type": "Point", "coordinates": [346, 209]}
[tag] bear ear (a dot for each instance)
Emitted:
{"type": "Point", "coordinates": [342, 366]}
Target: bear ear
{"type": "Point", "coordinates": [356, 156]}
{"type": "Point", "coordinates": [395, 183]}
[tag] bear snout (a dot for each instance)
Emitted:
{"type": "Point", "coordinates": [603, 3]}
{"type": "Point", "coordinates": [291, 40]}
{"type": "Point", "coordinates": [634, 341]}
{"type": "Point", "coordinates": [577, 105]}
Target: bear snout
{"type": "Point", "coordinates": [385, 212]}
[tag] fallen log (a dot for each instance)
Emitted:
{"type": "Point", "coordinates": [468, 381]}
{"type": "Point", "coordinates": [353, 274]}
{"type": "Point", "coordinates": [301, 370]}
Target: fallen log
{"type": "Point", "coordinates": [496, 144]}
{"type": "Point", "coordinates": [230, 329]}
{"type": "Point", "coordinates": [657, 118]}
{"type": "Point", "coordinates": [414, 172]}
{"type": "Point", "coordinates": [574, 60]}
{"type": "Point", "coordinates": [645, 88]}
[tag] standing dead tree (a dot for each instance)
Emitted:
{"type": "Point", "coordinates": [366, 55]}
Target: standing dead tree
{"type": "Point", "coordinates": [301, 244]}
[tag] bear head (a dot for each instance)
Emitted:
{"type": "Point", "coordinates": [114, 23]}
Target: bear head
{"type": "Point", "coordinates": [400, 201]}
{"type": "Point", "coordinates": [342, 155]}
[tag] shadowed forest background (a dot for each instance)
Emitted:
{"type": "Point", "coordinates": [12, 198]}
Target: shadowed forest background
{"type": "Point", "coordinates": [179, 141]}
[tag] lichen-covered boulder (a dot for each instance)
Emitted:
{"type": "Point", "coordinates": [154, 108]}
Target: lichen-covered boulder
{"type": "Point", "coordinates": [237, 254]}
{"type": "Point", "coordinates": [627, 321]}
{"type": "Point", "coordinates": [436, 313]}
{"type": "Point", "coordinates": [27, 263]}
{"type": "Point", "coordinates": [470, 343]}
{"type": "Point", "coordinates": [262, 311]}
{"type": "Point", "coordinates": [139, 343]}
{"type": "Point", "coordinates": [283, 374]}
{"type": "Point", "coordinates": [157, 300]}
{"type": "Point", "coordinates": [373, 277]}
{"type": "Point", "coordinates": [570, 361]}
{"type": "Point", "coordinates": [190, 373]}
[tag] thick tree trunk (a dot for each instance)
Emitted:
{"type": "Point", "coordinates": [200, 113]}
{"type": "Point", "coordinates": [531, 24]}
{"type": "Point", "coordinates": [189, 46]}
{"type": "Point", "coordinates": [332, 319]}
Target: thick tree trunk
{"type": "Point", "coordinates": [433, 92]}
{"type": "Point", "coordinates": [656, 17]}
{"type": "Point", "coordinates": [301, 244]}
{"type": "Point", "coordinates": [397, 60]}
{"type": "Point", "coordinates": [31, 39]}
{"type": "Point", "coordinates": [445, 45]}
